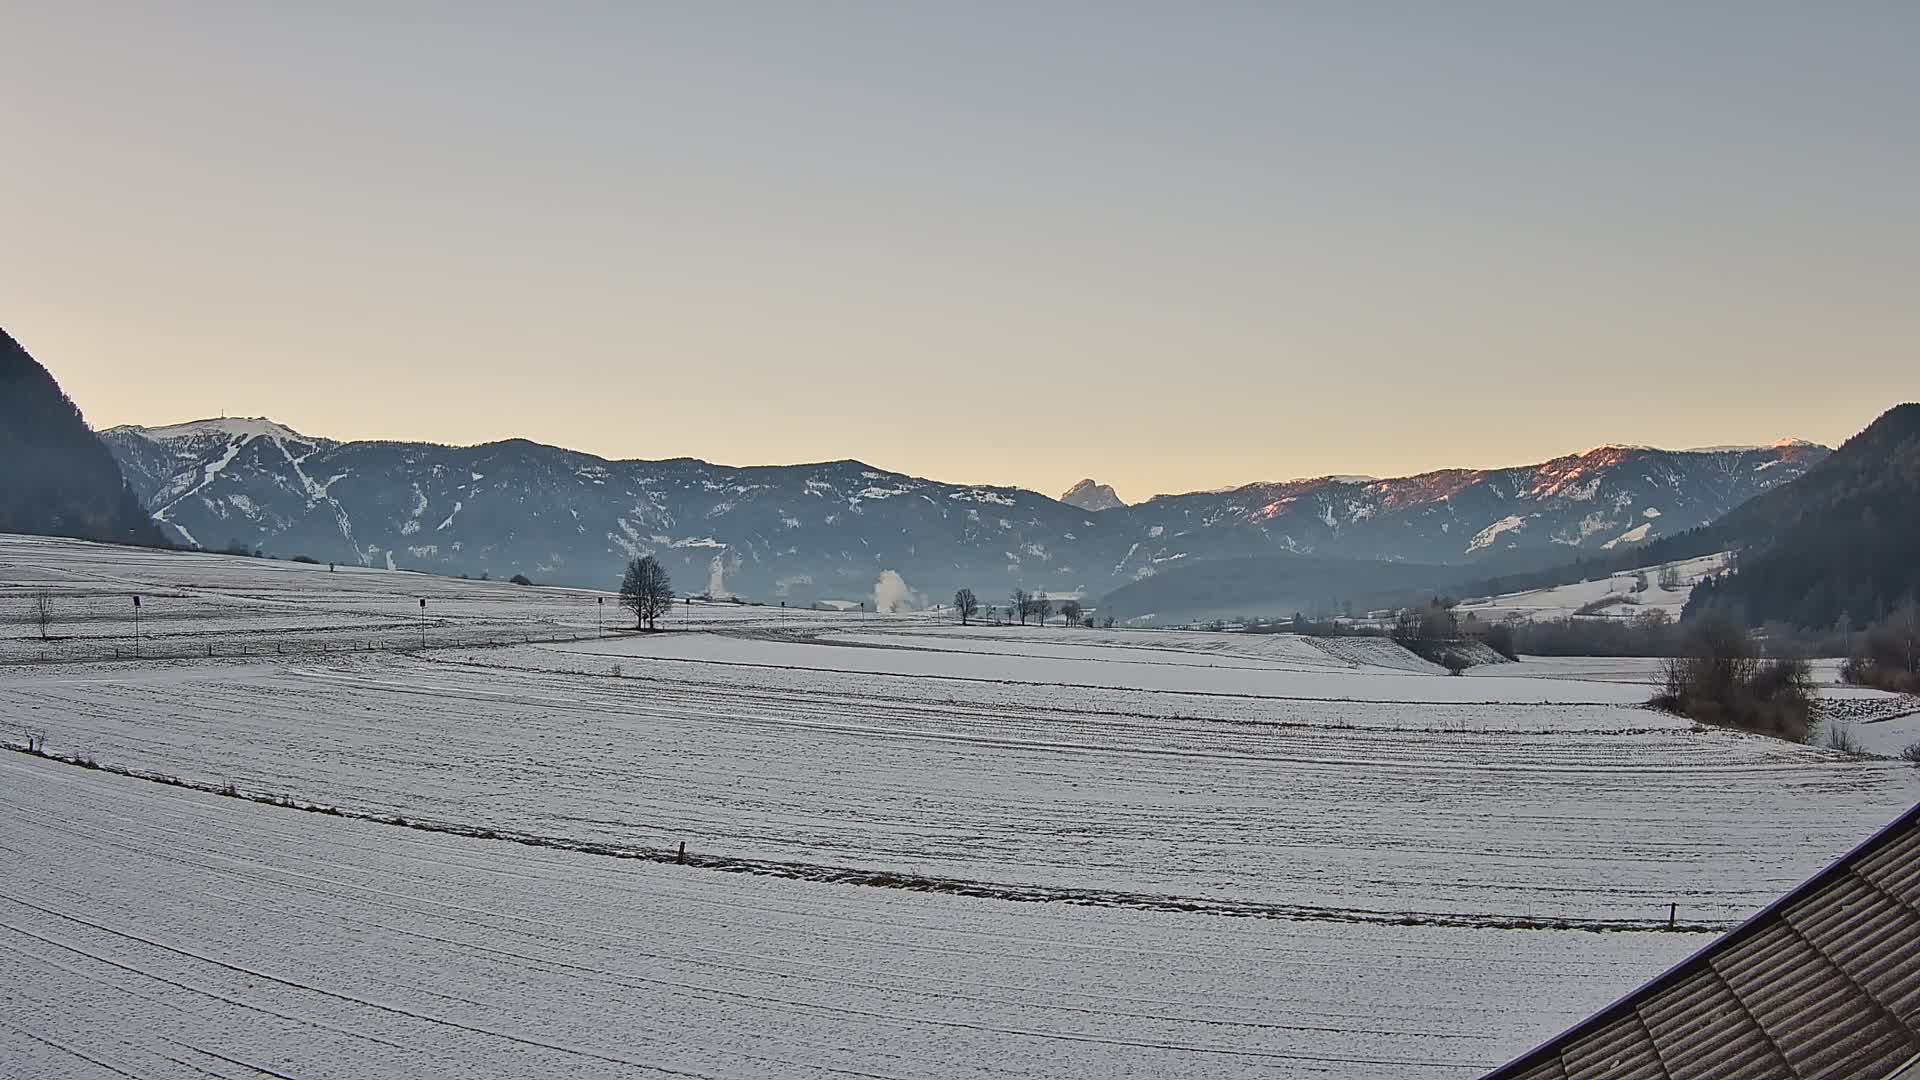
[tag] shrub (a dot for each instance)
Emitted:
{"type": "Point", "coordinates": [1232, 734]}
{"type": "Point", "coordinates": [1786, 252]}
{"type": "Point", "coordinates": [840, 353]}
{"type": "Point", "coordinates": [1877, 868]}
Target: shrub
{"type": "Point", "coordinates": [1865, 671]}
{"type": "Point", "coordinates": [1599, 605]}
{"type": "Point", "coordinates": [308, 559]}
{"type": "Point", "coordinates": [1911, 753]}
{"type": "Point", "coordinates": [1841, 737]}
{"type": "Point", "coordinates": [1889, 656]}
{"type": "Point", "coordinates": [1425, 631]}
{"type": "Point", "coordinates": [520, 579]}
{"type": "Point", "coordinates": [1454, 662]}
{"type": "Point", "coordinates": [1718, 678]}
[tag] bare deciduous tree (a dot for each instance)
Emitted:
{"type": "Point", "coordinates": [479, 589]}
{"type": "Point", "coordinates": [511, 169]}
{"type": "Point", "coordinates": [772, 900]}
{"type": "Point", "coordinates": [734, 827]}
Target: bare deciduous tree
{"type": "Point", "coordinates": [967, 604]}
{"type": "Point", "coordinates": [1021, 604]}
{"type": "Point", "coordinates": [1072, 612]}
{"type": "Point", "coordinates": [43, 611]}
{"type": "Point", "coordinates": [1042, 608]}
{"type": "Point", "coordinates": [646, 591]}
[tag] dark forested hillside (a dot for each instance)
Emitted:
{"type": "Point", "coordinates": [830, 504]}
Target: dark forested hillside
{"type": "Point", "coordinates": [56, 477]}
{"type": "Point", "coordinates": [1841, 544]}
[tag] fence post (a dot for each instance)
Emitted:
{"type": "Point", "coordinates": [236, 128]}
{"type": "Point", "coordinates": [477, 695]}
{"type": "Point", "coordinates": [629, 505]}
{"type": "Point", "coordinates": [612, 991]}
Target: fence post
{"type": "Point", "coordinates": [682, 858]}
{"type": "Point", "coordinates": [1673, 913]}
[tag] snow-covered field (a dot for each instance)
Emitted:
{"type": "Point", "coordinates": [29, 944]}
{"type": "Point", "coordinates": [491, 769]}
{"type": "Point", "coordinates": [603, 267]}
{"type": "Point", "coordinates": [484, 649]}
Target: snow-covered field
{"type": "Point", "coordinates": [195, 604]}
{"type": "Point", "coordinates": [152, 932]}
{"type": "Point", "coordinates": [1431, 873]}
{"type": "Point", "coordinates": [1614, 594]}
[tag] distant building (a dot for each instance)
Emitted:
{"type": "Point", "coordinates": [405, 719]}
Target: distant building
{"type": "Point", "coordinates": [1059, 598]}
{"type": "Point", "coordinates": [1824, 983]}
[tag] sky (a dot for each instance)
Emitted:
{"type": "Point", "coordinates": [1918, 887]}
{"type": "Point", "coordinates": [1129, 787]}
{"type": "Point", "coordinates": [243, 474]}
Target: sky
{"type": "Point", "coordinates": [1169, 246]}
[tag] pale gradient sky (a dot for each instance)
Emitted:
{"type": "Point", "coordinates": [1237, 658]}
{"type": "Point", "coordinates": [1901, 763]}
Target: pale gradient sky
{"type": "Point", "coordinates": [1172, 246]}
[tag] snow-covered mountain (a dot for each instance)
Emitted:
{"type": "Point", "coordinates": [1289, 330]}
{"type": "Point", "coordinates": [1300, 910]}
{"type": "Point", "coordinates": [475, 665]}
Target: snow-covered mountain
{"type": "Point", "coordinates": [1088, 495]}
{"type": "Point", "coordinates": [805, 532]}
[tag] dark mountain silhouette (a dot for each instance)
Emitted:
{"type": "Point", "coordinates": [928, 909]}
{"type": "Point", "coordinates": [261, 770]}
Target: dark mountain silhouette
{"type": "Point", "coordinates": [56, 477]}
{"type": "Point", "coordinates": [1840, 544]}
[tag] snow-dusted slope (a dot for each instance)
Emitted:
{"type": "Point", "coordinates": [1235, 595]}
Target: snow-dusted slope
{"type": "Point", "coordinates": [1597, 500]}
{"type": "Point", "coordinates": [826, 530]}
{"type": "Point", "coordinates": [1622, 595]}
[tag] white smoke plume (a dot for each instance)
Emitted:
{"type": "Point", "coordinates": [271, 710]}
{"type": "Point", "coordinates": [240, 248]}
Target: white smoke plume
{"type": "Point", "coordinates": [891, 594]}
{"type": "Point", "coordinates": [717, 578]}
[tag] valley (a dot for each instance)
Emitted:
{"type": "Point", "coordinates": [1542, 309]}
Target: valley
{"type": "Point", "coordinates": [898, 833]}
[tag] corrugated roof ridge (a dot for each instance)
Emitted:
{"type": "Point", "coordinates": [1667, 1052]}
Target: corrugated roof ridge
{"type": "Point", "coordinates": [1552, 1049]}
{"type": "Point", "coordinates": [1872, 1000]}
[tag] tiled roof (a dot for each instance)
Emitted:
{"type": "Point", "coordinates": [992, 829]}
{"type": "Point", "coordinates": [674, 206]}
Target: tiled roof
{"type": "Point", "coordinates": [1824, 983]}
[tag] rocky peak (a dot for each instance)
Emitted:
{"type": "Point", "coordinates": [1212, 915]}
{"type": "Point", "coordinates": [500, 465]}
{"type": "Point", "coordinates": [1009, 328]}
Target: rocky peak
{"type": "Point", "coordinates": [1088, 495]}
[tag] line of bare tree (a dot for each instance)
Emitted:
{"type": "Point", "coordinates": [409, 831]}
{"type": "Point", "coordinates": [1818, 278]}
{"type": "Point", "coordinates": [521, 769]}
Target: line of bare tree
{"type": "Point", "coordinates": [1022, 605]}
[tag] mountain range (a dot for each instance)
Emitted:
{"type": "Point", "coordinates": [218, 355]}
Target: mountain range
{"type": "Point", "coordinates": [821, 531]}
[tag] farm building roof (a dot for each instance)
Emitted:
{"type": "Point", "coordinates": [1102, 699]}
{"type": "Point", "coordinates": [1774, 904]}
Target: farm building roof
{"type": "Point", "coordinates": [1823, 983]}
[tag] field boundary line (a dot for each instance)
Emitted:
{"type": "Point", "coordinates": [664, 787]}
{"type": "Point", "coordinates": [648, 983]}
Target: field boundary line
{"type": "Point", "coordinates": [902, 880]}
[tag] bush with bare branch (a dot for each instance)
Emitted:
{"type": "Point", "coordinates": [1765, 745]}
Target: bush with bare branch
{"type": "Point", "coordinates": [1717, 677]}
{"type": "Point", "coordinates": [1888, 657]}
{"type": "Point", "coordinates": [1843, 738]}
